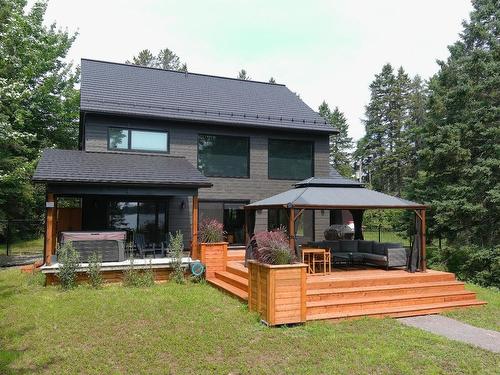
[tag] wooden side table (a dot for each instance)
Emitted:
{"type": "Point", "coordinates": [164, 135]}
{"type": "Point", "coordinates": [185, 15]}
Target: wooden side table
{"type": "Point", "coordinates": [316, 257]}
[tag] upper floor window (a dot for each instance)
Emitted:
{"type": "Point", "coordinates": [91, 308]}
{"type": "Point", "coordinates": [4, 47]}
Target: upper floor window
{"type": "Point", "coordinates": [223, 156]}
{"type": "Point", "coordinates": [137, 140]}
{"type": "Point", "coordinates": [290, 160]}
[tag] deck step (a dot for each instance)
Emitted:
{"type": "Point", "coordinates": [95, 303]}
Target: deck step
{"type": "Point", "coordinates": [228, 288]}
{"type": "Point", "coordinates": [234, 280]}
{"type": "Point", "coordinates": [236, 255]}
{"type": "Point", "coordinates": [398, 312]}
{"type": "Point", "coordinates": [362, 304]}
{"type": "Point", "coordinates": [383, 290]}
{"type": "Point", "coordinates": [322, 282]}
{"type": "Point", "coordinates": [237, 268]}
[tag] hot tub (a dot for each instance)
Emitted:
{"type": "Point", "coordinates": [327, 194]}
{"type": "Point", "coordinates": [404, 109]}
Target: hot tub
{"type": "Point", "coordinates": [109, 245]}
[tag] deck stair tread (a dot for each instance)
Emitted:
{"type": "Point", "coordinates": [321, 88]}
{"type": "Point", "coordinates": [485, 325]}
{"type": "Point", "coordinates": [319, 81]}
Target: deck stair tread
{"type": "Point", "coordinates": [397, 311]}
{"type": "Point", "coordinates": [321, 291]}
{"type": "Point", "coordinates": [231, 278]}
{"type": "Point", "coordinates": [229, 288]}
{"type": "Point", "coordinates": [237, 268]}
{"type": "Point", "coordinates": [402, 298]}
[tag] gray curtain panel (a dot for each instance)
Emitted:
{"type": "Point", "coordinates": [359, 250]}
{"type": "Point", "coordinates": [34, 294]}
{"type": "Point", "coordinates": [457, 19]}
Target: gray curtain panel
{"type": "Point", "coordinates": [414, 259]}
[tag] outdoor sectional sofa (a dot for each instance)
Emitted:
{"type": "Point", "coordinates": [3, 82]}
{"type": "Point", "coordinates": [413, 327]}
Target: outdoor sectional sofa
{"type": "Point", "coordinates": [365, 252]}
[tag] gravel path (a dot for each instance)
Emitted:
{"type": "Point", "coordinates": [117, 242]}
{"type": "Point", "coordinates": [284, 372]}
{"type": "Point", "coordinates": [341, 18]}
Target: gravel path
{"type": "Point", "coordinates": [455, 330]}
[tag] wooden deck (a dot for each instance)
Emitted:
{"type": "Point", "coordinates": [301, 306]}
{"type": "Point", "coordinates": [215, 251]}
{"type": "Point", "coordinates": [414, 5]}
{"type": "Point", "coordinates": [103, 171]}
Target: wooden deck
{"type": "Point", "coordinates": [351, 293]}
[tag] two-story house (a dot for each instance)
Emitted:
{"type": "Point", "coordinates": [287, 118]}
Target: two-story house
{"type": "Point", "coordinates": [158, 147]}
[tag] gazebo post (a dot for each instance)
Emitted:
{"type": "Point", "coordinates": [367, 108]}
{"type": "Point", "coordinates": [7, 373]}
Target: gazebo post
{"type": "Point", "coordinates": [291, 228]}
{"type": "Point", "coordinates": [423, 260]}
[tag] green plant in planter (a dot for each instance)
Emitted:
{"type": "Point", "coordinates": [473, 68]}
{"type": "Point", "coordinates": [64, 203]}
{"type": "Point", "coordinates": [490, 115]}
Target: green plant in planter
{"type": "Point", "coordinates": [272, 247]}
{"type": "Point", "coordinates": [211, 231]}
{"type": "Point", "coordinates": [68, 259]}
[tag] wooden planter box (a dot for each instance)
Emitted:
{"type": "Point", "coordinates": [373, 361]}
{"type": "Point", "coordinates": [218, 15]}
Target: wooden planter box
{"type": "Point", "coordinates": [214, 257]}
{"type": "Point", "coordinates": [277, 293]}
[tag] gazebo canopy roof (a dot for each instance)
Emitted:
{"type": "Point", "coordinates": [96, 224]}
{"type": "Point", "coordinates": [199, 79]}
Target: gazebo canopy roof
{"type": "Point", "coordinates": [333, 192]}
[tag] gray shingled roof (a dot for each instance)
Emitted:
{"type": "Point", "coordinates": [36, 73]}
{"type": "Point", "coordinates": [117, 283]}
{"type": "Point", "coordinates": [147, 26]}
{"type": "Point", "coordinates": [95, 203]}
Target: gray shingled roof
{"type": "Point", "coordinates": [64, 166]}
{"type": "Point", "coordinates": [139, 91]}
{"type": "Point", "coordinates": [334, 179]}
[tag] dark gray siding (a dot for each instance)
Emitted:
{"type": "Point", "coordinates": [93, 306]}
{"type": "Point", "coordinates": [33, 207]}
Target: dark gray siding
{"type": "Point", "coordinates": [183, 142]}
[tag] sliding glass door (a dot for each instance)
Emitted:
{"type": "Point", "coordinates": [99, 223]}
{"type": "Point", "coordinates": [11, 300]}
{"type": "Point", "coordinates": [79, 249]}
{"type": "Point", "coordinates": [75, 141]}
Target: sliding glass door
{"type": "Point", "coordinates": [141, 216]}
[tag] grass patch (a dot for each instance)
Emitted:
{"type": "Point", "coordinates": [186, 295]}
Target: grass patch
{"type": "Point", "coordinates": [385, 237]}
{"type": "Point", "coordinates": [193, 328]}
{"type": "Point", "coordinates": [27, 247]}
{"type": "Point", "coordinates": [485, 317]}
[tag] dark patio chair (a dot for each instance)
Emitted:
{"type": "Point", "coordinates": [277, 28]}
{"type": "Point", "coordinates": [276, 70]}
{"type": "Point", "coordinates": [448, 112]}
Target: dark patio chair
{"type": "Point", "coordinates": [142, 247]}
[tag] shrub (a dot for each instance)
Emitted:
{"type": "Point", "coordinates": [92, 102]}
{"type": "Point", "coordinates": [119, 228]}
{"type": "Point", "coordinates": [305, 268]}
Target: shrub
{"type": "Point", "coordinates": [272, 247]}
{"type": "Point", "coordinates": [472, 263]}
{"type": "Point", "coordinates": [176, 249]}
{"type": "Point", "coordinates": [94, 270]}
{"type": "Point", "coordinates": [68, 260]}
{"type": "Point", "coordinates": [133, 277]}
{"type": "Point", "coordinates": [211, 231]}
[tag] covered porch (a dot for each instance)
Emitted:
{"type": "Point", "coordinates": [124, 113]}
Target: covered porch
{"type": "Point", "coordinates": [120, 205]}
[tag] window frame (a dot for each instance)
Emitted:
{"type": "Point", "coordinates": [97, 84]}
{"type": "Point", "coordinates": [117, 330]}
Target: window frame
{"type": "Point", "coordinates": [129, 139]}
{"type": "Point", "coordinates": [225, 136]}
{"type": "Point", "coordinates": [269, 177]}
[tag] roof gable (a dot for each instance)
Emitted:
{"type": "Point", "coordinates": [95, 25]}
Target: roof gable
{"type": "Point", "coordinates": [140, 91]}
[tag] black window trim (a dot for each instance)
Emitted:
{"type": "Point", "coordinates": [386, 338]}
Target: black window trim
{"type": "Point", "coordinates": [129, 145]}
{"type": "Point", "coordinates": [227, 136]}
{"type": "Point", "coordinates": [292, 140]}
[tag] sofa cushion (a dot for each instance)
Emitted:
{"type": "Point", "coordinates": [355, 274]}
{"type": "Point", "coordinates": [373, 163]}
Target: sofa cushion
{"type": "Point", "coordinates": [378, 248]}
{"type": "Point", "coordinates": [392, 245]}
{"type": "Point", "coordinates": [375, 257]}
{"type": "Point", "coordinates": [349, 246]}
{"type": "Point", "coordinates": [365, 246]}
{"type": "Point", "coordinates": [333, 246]}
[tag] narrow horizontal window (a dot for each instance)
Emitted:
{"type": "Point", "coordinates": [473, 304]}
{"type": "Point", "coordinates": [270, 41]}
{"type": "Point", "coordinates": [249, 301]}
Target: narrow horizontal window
{"type": "Point", "coordinates": [223, 156]}
{"type": "Point", "coordinates": [290, 160]}
{"type": "Point", "coordinates": [149, 141]}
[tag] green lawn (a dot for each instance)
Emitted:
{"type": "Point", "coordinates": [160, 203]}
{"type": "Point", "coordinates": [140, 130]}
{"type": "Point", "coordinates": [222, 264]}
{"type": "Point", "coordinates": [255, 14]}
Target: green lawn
{"type": "Point", "coordinates": [195, 329]}
{"type": "Point", "coordinates": [385, 237]}
{"type": "Point", "coordinates": [23, 247]}
{"type": "Point", "coordinates": [486, 317]}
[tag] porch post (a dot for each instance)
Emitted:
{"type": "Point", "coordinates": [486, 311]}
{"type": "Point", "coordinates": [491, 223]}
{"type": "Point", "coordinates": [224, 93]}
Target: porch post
{"type": "Point", "coordinates": [423, 259]}
{"type": "Point", "coordinates": [49, 243]}
{"type": "Point", "coordinates": [194, 228]}
{"type": "Point", "coordinates": [291, 228]}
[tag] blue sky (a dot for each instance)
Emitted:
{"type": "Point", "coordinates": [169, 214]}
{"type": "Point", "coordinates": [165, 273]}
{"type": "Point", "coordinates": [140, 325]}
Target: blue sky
{"type": "Point", "coordinates": [323, 50]}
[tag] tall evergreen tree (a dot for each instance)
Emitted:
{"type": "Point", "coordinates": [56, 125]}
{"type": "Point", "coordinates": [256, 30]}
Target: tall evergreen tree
{"type": "Point", "coordinates": [39, 105]}
{"type": "Point", "coordinates": [341, 143]}
{"type": "Point", "coordinates": [460, 165]}
{"type": "Point", "coordinates": [242, 74]}
{"type": "Point", "coordinates": [386, 150]}
{"type": "Point", "coordinates": [166, 59]}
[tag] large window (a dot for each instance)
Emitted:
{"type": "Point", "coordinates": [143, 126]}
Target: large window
{"type": "Point", "coordinates": [290, 160]}
{"type": "Point", "coordinates": [137, 140]}
{"type": "Point", "coordinates": [146, 217]}
{"type": "Point", "coordinates": [231, 214]}
{"type": "Point", "coordinates": [223, 156]}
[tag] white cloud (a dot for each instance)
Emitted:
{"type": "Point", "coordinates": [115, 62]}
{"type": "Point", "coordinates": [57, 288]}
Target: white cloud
{"type": "Point", "coordinates": [321, 49]}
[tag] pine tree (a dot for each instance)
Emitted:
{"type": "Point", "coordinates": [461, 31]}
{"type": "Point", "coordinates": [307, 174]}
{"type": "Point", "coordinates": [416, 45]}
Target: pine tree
{"type": "Point", "coordinates": [386, 150]}
{"type": "Point", "coordinates": [242, 74]}
{"type": "Point", "coordinates": [166, 59]}
{"type": "Point", "coordinates": [459, 174]}
{"type": "Point", "coordinates": [341, 143]}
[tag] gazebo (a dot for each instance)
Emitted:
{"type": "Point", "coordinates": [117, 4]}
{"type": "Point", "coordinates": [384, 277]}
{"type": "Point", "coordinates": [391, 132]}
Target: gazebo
{"type": "Point", "coordinates": [335, 192]}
